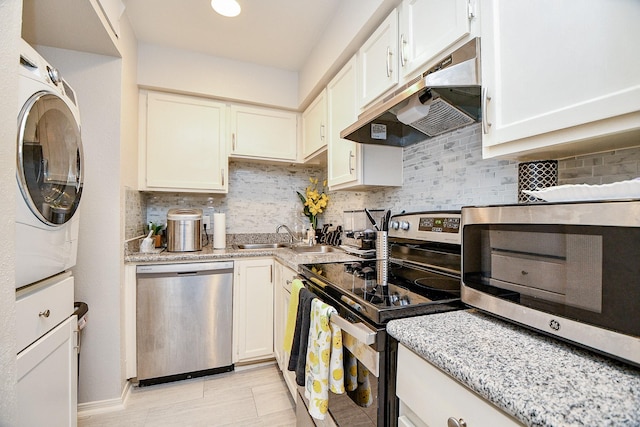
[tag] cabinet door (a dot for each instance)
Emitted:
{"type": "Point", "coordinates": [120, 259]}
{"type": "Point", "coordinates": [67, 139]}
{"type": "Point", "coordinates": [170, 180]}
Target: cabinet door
{"type": "Point", "coordinates": [351, 165]}
{"type": "Point", "coordinates": [433, 397]}
{"type": "Point", "coordinates": [314, 127]}
{"type": "Point", "coordinates": [342, 99]}
{"type": "Point", "coordinates": [263, 133]}
{"type": "Point", "coordinates": [448, 21]}
{"type": "Point", "coordinates": [285, 277]}
{"type": "Point", "coordinates": [253, 309]}
{"type": "Point", "coordinates": [554, 73]}
{"type": "Point", "coordinates": [378, 61]}
{"type": "Point", "coordinates": [47, 388]}
{"type": "Point", "coordinates": [185, 144]}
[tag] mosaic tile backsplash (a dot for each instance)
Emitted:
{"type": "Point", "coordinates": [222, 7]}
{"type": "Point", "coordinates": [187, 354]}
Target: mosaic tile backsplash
{"type": "Point", "coordinates": [446, 172]}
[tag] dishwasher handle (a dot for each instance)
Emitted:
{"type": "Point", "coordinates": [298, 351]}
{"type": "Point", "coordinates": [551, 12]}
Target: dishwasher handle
{"type": "Point", "coordinates": [190, 268]}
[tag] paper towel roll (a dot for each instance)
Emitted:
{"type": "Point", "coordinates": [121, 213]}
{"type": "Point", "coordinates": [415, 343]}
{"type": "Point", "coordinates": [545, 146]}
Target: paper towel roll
{"type": "Point", "coordinates": [219, 231]}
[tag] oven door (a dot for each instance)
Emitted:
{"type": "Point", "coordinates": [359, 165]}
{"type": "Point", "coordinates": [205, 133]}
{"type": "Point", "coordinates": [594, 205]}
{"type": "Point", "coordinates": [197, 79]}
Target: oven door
{"type": "Point", "coordinates": [369, 400]}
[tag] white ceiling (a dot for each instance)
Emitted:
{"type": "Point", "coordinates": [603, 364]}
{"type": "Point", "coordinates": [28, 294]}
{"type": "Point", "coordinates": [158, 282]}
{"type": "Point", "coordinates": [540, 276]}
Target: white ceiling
{"type": "Point", "coordinates": [275, 33]}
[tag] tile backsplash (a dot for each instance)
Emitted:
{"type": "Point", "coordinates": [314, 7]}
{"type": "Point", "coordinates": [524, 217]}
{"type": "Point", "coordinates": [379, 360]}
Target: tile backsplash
{"type": "Point", "coordinates": [446, 172]}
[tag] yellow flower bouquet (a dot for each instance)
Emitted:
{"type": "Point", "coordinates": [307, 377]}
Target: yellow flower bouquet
{"type": "Point", "coordinates": [314, 201]}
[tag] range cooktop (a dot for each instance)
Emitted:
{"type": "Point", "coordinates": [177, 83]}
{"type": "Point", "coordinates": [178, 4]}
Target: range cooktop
{"type": "Point", "coordinates": [409, 291]}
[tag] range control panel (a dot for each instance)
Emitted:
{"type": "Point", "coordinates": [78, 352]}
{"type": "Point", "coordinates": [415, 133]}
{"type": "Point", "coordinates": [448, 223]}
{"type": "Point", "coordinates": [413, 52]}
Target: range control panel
{"type": "Point", "coordinates": [443, 226]}
{"type": "Point", "coordinates": [439, 224]}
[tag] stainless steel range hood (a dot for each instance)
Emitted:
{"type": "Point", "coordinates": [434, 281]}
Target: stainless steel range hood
{"type": "Point", "coordinates": [441, 99]}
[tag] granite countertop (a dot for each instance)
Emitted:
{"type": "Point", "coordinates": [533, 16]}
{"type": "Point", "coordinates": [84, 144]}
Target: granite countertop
{"type": "Point", "coordinates": [284, 255]}
{"type": "Point", "coordinates": [539, 380]}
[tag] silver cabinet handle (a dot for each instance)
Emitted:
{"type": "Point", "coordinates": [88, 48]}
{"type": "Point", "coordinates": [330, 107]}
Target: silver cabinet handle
{"type": "Point", "coordinates": [403, 44]}
{"type": "Point", "coordinates": [389, 70]}
{"type": "Point", "coordinates": [452, 422]}
{"type": "Point", "coordinates": [45, 313]}
{"type": "Point", "coordinates": [486, 124]}
{"type": "Point", "coordinates": [222, 175]}
{"type": "Point", "coordinates": [351, 156]}
{"type": "Point", "coordinates": [233, 141]}
{"type": "Point", "coordinates": [321, 132]}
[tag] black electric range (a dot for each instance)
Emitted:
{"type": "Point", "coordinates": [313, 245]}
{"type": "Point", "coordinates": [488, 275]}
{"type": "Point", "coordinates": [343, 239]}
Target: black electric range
{"type": "Point", "coordinates": [420, 275]}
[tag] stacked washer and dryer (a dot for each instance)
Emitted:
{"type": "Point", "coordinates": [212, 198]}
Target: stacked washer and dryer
{"type": "Point", "coordinates": [49, 188]}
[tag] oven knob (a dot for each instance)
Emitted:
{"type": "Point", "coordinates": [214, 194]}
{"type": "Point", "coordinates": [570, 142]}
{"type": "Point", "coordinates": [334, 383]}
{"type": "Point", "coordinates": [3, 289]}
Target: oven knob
{"type": "Point", "coordinates": [394, 224]}
{"type": "Point", "coordinates": [404, 225]}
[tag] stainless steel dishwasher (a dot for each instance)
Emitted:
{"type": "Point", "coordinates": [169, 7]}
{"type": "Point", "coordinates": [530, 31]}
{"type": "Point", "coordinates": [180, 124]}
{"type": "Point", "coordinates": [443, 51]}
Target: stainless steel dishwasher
{"type": "Point", "coordinates": [183, 320]}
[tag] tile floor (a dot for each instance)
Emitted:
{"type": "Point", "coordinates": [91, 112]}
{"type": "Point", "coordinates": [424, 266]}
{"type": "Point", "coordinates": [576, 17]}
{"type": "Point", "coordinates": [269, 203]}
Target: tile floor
{"type": "Point", "coordinates": [251, 397]}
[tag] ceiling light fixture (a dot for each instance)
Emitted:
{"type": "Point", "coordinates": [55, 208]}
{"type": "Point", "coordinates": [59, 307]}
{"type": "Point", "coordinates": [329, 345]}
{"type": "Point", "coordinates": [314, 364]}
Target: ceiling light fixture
{"type": "Point", "coordinates": [229, 8]}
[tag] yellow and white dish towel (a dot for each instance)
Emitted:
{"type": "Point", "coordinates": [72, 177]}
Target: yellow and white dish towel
{"type": "Point", "coordinates": [356, 380]}
{"type": "Point", "coordinates": [296, 285]}
{"type": "Point", "coordinates": [324, 368]}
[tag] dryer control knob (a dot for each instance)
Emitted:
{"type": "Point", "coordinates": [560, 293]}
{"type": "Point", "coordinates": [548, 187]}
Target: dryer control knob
{"type": "Point", "coordinates": [54, 75]}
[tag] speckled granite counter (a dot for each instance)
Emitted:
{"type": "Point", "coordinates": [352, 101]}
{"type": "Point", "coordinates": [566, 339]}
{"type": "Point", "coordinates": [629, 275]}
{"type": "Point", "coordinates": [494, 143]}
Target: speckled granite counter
{"type": "Point", "coordinates": [284, 255]}
{"type": "Point", "coordinates": [539, 380]}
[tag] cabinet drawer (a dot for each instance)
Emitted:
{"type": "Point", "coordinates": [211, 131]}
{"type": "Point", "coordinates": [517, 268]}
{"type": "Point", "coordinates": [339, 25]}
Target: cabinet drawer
{"type": "Point", "coordinates": [434, 397]}
{"type": "Point", "coordinates": [42, 307]}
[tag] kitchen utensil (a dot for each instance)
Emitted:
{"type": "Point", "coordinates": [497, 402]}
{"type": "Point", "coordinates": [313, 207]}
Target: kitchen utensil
{"type": "Point", "coordinates": [147, 244]}
{"type": "Point", "coordinates": [385, 223]}
{"type": "Point", "coordinates": [373, 221]}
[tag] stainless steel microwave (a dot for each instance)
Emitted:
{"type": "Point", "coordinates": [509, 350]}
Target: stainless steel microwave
{"type": "Point", "coordinates": [570, 270]}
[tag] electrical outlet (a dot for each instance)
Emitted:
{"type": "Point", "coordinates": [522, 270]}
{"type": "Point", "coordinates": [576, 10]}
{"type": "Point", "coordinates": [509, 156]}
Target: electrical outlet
{"type": "Point", "coordinates": [206, 222]}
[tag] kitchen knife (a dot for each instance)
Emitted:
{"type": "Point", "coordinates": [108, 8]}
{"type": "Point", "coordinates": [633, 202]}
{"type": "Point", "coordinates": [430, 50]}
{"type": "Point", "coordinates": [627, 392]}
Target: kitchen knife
{"type": "Point", "coordinates": [373, 221]}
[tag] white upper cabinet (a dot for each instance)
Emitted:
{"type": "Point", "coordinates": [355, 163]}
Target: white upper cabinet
{"type": "Point", "coordinates": [263, 133]}
{"type": "Point", "coordinates": [182, 144]}
{"type": "Point", "coordinates": [428, 27]}
{"type": "Point", "coordinates": [314, 127]}
{"type": "Point", "coordinates": [378, 61]}
{"type": "Point", "coordinates": [351, 165]}
{"type": "Point", "coordinates": [558, 78]}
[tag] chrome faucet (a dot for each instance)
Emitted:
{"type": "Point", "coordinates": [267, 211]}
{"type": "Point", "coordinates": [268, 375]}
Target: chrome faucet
{"type": "Point", "coordinates": [292, 236]}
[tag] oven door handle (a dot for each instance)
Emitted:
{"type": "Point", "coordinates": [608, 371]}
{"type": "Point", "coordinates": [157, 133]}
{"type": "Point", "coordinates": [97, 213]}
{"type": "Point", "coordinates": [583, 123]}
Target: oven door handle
{"type": "Point", "coordinates": [358, 330]}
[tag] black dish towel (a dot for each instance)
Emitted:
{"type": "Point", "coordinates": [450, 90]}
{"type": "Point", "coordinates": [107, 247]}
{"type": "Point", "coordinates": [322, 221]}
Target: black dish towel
{"type": "Point", "coordinates": [298, 357]}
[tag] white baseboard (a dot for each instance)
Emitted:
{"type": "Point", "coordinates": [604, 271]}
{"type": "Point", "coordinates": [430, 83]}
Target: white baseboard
{"type": "Point", "coordinates": [104, 406]}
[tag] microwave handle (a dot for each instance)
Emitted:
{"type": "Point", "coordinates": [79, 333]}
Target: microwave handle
{"type": "Point", "coordinates": [358, 330]}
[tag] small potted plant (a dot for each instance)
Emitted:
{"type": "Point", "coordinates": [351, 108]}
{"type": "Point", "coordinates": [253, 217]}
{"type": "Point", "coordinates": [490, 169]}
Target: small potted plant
{"type": "Point", "coordinates": [157, 230]}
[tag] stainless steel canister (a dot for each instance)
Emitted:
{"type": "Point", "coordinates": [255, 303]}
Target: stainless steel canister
{"type": "Point", "coordinates": [184, 230]}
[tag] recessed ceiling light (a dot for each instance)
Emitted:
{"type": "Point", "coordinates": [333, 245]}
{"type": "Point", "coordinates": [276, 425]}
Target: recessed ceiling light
{"type": "Point", "coordinates": [228, 8]}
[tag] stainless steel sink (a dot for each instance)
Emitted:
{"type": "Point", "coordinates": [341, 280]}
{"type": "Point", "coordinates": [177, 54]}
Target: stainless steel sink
{"type": "Point", "coordinates": [316, 249]}
{"type": "Point", "coordinates": [261, 245]}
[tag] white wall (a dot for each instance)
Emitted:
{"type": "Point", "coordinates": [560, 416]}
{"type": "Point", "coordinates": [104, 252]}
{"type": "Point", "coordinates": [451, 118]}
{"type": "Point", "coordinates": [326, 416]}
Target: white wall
{"type": "Point", "coordinates": [10, 19]}
{"type": "Point", "coordinates": [196, 73]}
{"type": "Point", "coordinates": [97, 81]}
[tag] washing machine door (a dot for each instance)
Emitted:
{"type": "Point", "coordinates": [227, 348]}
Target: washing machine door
{"type": "Point", "coordinates": [49, 168]}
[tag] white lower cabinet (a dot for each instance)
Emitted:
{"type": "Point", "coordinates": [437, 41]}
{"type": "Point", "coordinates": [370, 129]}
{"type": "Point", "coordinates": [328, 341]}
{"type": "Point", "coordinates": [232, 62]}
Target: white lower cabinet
{"type": "Point", "coordinates": [431, 398]}
{"type": "Point", "coordinates": [47, 388]}
{"type": "Point", "coordinates": [253, 291]}
{"type": "Point", "coordinates": [284, 279]}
